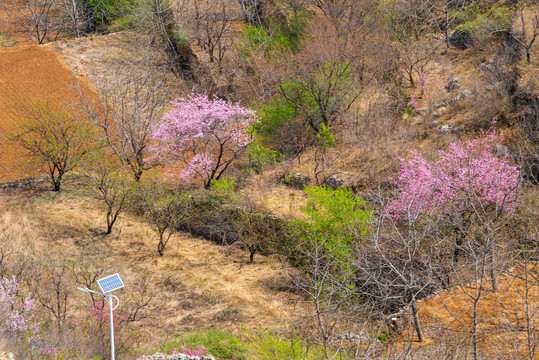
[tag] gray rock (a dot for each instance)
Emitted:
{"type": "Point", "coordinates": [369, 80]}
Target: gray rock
{"type": "Point", "coordinates": [484, 67]}
{"type": "Point", "coordinates": [158, 356]}
{"type": "Point", "coordinates": [452, 84]}
{"type": "Point", "coordinates": [434, 123]}
{"type": "Point", "coordinates": [334, 181]}
{"type": "Point", "coordinates": [461, 38]}
{"type": "Point", "coordinates": [464, 94]}
{"type": "Point", "coordinates": [439, 111]}
{"type": "Point", "coordinates": [456, 130]}
{"type": "Point", "coordinates": [445, 129]}
{"type": "Point", "coordinates": [502, 150]}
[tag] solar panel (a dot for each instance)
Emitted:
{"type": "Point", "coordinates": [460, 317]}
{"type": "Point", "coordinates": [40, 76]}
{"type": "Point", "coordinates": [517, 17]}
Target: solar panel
{"type": "Point", "coordinates": [110, 283]}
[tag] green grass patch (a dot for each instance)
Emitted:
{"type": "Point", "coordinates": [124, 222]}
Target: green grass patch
{"type": "Point", "coordinates": [6, 41]}
{"type": "Point", "coordinates": [219, 344]}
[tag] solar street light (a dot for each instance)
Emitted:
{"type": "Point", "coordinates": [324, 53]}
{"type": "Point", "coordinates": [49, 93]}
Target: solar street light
{"type": "Point", "coordinates": [107, 285]}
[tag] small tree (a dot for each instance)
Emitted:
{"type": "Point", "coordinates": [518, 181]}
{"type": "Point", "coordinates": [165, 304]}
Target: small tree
{"type": "Point", "coordinates": [113, 187]}
{"type": "Point", "coordinates": [34, 17]}
{"type": "Point", "coordinates": [53, 138]}
{"type": "Point", "coordinates": [164, 210]}
{"type": "Point", "coordinates": [468, 184]}
{"type": "Point", "coordinates": [204, 135]}
{"type": "Point", "coordinates": [529, 27]}
{"type": "Point", "coordinates": [467, 173]}
{"type": "Point", "coordinates": [209, 24]}
{"type": "Point", "coordinates": [127, 106]}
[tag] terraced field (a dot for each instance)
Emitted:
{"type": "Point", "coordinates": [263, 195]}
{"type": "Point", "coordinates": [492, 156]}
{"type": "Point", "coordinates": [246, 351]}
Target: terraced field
{"type": "Point", "coordinates": [28, 73]}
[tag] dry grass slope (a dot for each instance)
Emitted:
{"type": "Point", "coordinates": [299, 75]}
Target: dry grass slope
{"type": "Point", "coordinates": [197, 284]}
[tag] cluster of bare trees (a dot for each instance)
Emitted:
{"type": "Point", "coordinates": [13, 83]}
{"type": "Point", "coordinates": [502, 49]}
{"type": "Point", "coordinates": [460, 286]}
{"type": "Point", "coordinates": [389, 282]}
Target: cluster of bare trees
{"type": "Point", "coordinates": [46, 20]}
{"type": "Point", "coordinates": [51, 280]}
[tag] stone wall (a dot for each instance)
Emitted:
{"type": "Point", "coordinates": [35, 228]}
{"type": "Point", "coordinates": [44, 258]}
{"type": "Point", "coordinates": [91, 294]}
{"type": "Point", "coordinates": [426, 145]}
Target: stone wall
{"type": "Point", "coordinates": [159, 356]}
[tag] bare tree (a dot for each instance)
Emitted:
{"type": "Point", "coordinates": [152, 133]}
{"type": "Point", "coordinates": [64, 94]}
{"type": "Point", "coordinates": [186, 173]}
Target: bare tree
{"type": "Point", "coordinates": [529, 27]}
{"type": "Point", "coordinates": [127, 106]}
{"type": "Point", "coordinates": [399, 265]}
{"type": "Point", "coordinates": [330, 315]}
{"type": "Point", "coordinates": [52, 289]}
{"type": "Point", "coordinates": [75, 17]}
{"type": "Point", "coordinates": [414, 53]}
{"type": "Point", "coordinates": [164, 210]}
{"type": "Point", "coordinates": [86, 272]}
{"type": "Point", "coordinates": [53, 138]}
{"type": "Point", "coordinates": [140, 299]}
{"type": "Point", "coordinates": [327, 77]}
{"type": "Point", "coordinates": [113, 188]}
{"type": "Point", "coordinates": [37, 18]}
{"type": "Point", "coordinates": [209, 24]}
{"type": "Point", "coordinates": [253, 10]}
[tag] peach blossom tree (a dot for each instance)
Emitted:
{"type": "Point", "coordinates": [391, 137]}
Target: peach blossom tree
{"type": "Point", "coordinates": [467, 174]}
{"type": "Point", "coordinates": [202, 136]}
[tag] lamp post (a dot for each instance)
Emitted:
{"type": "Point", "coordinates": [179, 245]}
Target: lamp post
{"type": "Point", "coordinates": [107, 285]}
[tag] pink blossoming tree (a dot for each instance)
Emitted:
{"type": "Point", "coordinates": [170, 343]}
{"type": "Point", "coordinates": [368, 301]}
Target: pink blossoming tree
{"type": "Point", "coordinates": [473, 190]}
{"type": "Point", "coordinates": [17, 315]}
{"type": "Point", "coordinates": [202, 136]}
{"type": "Point", "coordinates": [468, 174]}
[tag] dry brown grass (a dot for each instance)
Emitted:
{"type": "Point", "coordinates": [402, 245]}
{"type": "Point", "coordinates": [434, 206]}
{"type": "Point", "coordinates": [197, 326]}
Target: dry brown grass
{"type": "Point", "coordinates": [197, 284]}
{"type": "Point", "coordinates": [447, 318]}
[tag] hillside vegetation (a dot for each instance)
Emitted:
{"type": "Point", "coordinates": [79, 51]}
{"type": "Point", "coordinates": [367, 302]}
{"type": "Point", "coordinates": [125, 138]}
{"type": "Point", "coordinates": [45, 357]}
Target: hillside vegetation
{"type": "Point", "coordinates": [272, 179]}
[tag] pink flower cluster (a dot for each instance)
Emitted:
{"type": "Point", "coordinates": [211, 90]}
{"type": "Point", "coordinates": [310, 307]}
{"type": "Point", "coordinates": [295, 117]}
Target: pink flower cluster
{"type": "Point", "coordinates": [467, 174]}
{"type": "Point", "coordinates": [17, 314]}
{"type": "Point", "coordinates": [201, 132]}
{"type": "Point", "coordinates": [100, 317]}
{"type": "Point", "coordinates": [55, 354]}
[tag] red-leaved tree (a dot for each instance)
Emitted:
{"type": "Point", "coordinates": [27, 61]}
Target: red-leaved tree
{"type": "Point", "coordinates": [202, 136]}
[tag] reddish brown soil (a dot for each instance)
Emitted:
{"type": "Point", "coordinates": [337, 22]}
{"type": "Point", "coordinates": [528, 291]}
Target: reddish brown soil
{"type": "Point", "coordinates": [28, 73]}
{"type": "Point", "coordinates": [502, 321]}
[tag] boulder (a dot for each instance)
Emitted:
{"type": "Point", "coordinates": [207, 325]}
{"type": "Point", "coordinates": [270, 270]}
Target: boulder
{"type": "Point", "coordinates": [335, 181]}
{"type": "Point", "coordinates": [461, 38]}
{"type": "Point", "coordinates": [445, 129]}
{"type": "Point", "coordinates": [465, 94]}
{"type": "Point", "coordinates": [452, 84]}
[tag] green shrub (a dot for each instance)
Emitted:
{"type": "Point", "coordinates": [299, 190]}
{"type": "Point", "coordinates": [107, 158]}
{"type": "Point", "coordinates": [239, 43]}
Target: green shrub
{"type": "Point", "coordinates": [266, 39]}
{"type": "Point", "coordinates": [219, 344]}
{"type": "Point", "coordinates": [265, 345]}
{"type": "Point", "coordinates": [106, 12]}
{"type": "Point", "coordinates": [490, 25]}
{"type": "Point", "coordinates": [260, 158]}
{"type": "Point", "coordinates": [335, 217]}
{"type": "Point", "coordinates": [274, 115]}
{"type": "Point", "coordinates": [296, 180]}
{"type": "Point", "coordinates": [181, 37]}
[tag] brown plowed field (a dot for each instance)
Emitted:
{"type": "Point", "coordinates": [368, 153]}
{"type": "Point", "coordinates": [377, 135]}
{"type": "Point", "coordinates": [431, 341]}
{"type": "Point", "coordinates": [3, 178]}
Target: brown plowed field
{"type": "Point", "coordinates": [27, 73]}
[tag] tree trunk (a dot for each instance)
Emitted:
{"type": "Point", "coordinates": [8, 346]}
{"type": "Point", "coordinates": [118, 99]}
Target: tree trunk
{"type": "Point", "coordinates": [417, 324]}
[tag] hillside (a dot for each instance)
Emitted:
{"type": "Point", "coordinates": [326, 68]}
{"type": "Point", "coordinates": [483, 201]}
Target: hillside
{"type": "Point", "coordinates": [272, 179]}
{"type": "Point", "coordinates": [197, 285]}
